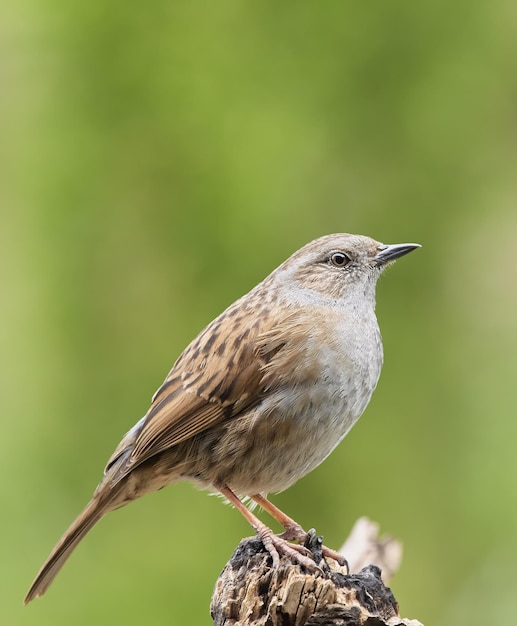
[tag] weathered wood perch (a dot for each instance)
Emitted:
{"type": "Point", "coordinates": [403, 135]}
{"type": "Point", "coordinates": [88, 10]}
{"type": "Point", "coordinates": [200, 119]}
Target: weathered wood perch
{"type": "Point", "coordinates": [250, 593]}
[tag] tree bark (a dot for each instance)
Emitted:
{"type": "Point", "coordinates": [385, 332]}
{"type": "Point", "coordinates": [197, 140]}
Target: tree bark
{"type": "Point", "coordinates": [250, 593]}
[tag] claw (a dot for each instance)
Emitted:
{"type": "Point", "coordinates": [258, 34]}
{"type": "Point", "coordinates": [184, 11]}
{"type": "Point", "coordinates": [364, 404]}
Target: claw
{"type": "Point", "coordinates": [339, 558]}
{"type": "Point", "coordinates": [277, 545]}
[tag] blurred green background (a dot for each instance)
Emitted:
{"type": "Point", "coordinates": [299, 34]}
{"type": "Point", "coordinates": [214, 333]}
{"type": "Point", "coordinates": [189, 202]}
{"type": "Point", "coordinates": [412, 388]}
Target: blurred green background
{"type": "Point", "coordinates": [156, 162]}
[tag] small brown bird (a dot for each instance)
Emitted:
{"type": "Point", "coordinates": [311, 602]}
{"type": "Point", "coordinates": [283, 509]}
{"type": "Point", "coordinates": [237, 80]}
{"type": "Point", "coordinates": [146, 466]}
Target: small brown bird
{"type": "Point", "coordinates": [261, 397]}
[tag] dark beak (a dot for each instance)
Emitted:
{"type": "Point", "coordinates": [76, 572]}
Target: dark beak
{"type": "Point", "coordinates": [394, 251]}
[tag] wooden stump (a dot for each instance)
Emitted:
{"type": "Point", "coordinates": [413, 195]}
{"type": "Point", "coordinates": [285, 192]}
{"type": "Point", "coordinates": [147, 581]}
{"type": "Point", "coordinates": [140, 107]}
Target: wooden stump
{"type": "Point", "coordinates": [250, 593]}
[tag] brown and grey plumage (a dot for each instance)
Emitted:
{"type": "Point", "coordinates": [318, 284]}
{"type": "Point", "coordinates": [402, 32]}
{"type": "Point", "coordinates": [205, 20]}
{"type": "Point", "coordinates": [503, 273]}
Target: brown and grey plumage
{"type": "Point", "coordinates": [260, 397]}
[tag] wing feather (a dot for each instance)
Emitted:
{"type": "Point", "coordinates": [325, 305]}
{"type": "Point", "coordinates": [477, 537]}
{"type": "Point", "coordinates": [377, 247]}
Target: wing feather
{"type": "Point", "coordinates": [212, 381]}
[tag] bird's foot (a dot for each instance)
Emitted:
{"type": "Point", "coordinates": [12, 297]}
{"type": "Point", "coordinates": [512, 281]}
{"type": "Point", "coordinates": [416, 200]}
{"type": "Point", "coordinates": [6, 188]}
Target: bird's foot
{"type": "Point", "coordinates": [276, 545]}
{"type": "Point", "coordinates": [314, 544]}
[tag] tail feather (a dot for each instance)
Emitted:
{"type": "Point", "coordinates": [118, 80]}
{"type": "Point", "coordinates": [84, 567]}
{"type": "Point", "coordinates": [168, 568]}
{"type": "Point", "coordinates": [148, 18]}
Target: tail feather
{"type": "Point", "coordinates": [90, 515]}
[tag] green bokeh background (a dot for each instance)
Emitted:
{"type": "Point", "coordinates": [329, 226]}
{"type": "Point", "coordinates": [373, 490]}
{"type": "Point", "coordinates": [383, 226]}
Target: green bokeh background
{"type": "Point", "coordinates": [156, 161]}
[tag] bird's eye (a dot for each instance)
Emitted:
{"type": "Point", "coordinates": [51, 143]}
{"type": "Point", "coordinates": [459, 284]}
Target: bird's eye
{"type": "Point", "coordinates": [339, 259]}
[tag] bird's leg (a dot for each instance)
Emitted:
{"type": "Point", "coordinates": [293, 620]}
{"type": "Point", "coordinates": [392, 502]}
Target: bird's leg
{"type": "Point", "coordinates": [274, 544]}
{"type": "Point", "coordinates": [293, 531]}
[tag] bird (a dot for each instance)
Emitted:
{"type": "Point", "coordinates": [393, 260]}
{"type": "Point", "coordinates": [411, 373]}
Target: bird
{"type": "Point", "coordinates": [260, 397]}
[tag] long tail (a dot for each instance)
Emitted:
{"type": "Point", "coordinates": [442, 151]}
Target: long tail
{"type": "Point", "coordinates": [90, 515]}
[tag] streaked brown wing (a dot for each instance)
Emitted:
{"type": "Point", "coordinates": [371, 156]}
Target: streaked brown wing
{"type": "Point", "coordinates": [217, 377]}
{"type": "Point", "coordinates": [213, 381]}
{"type": "Point", "coordinates": [182, 413]}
